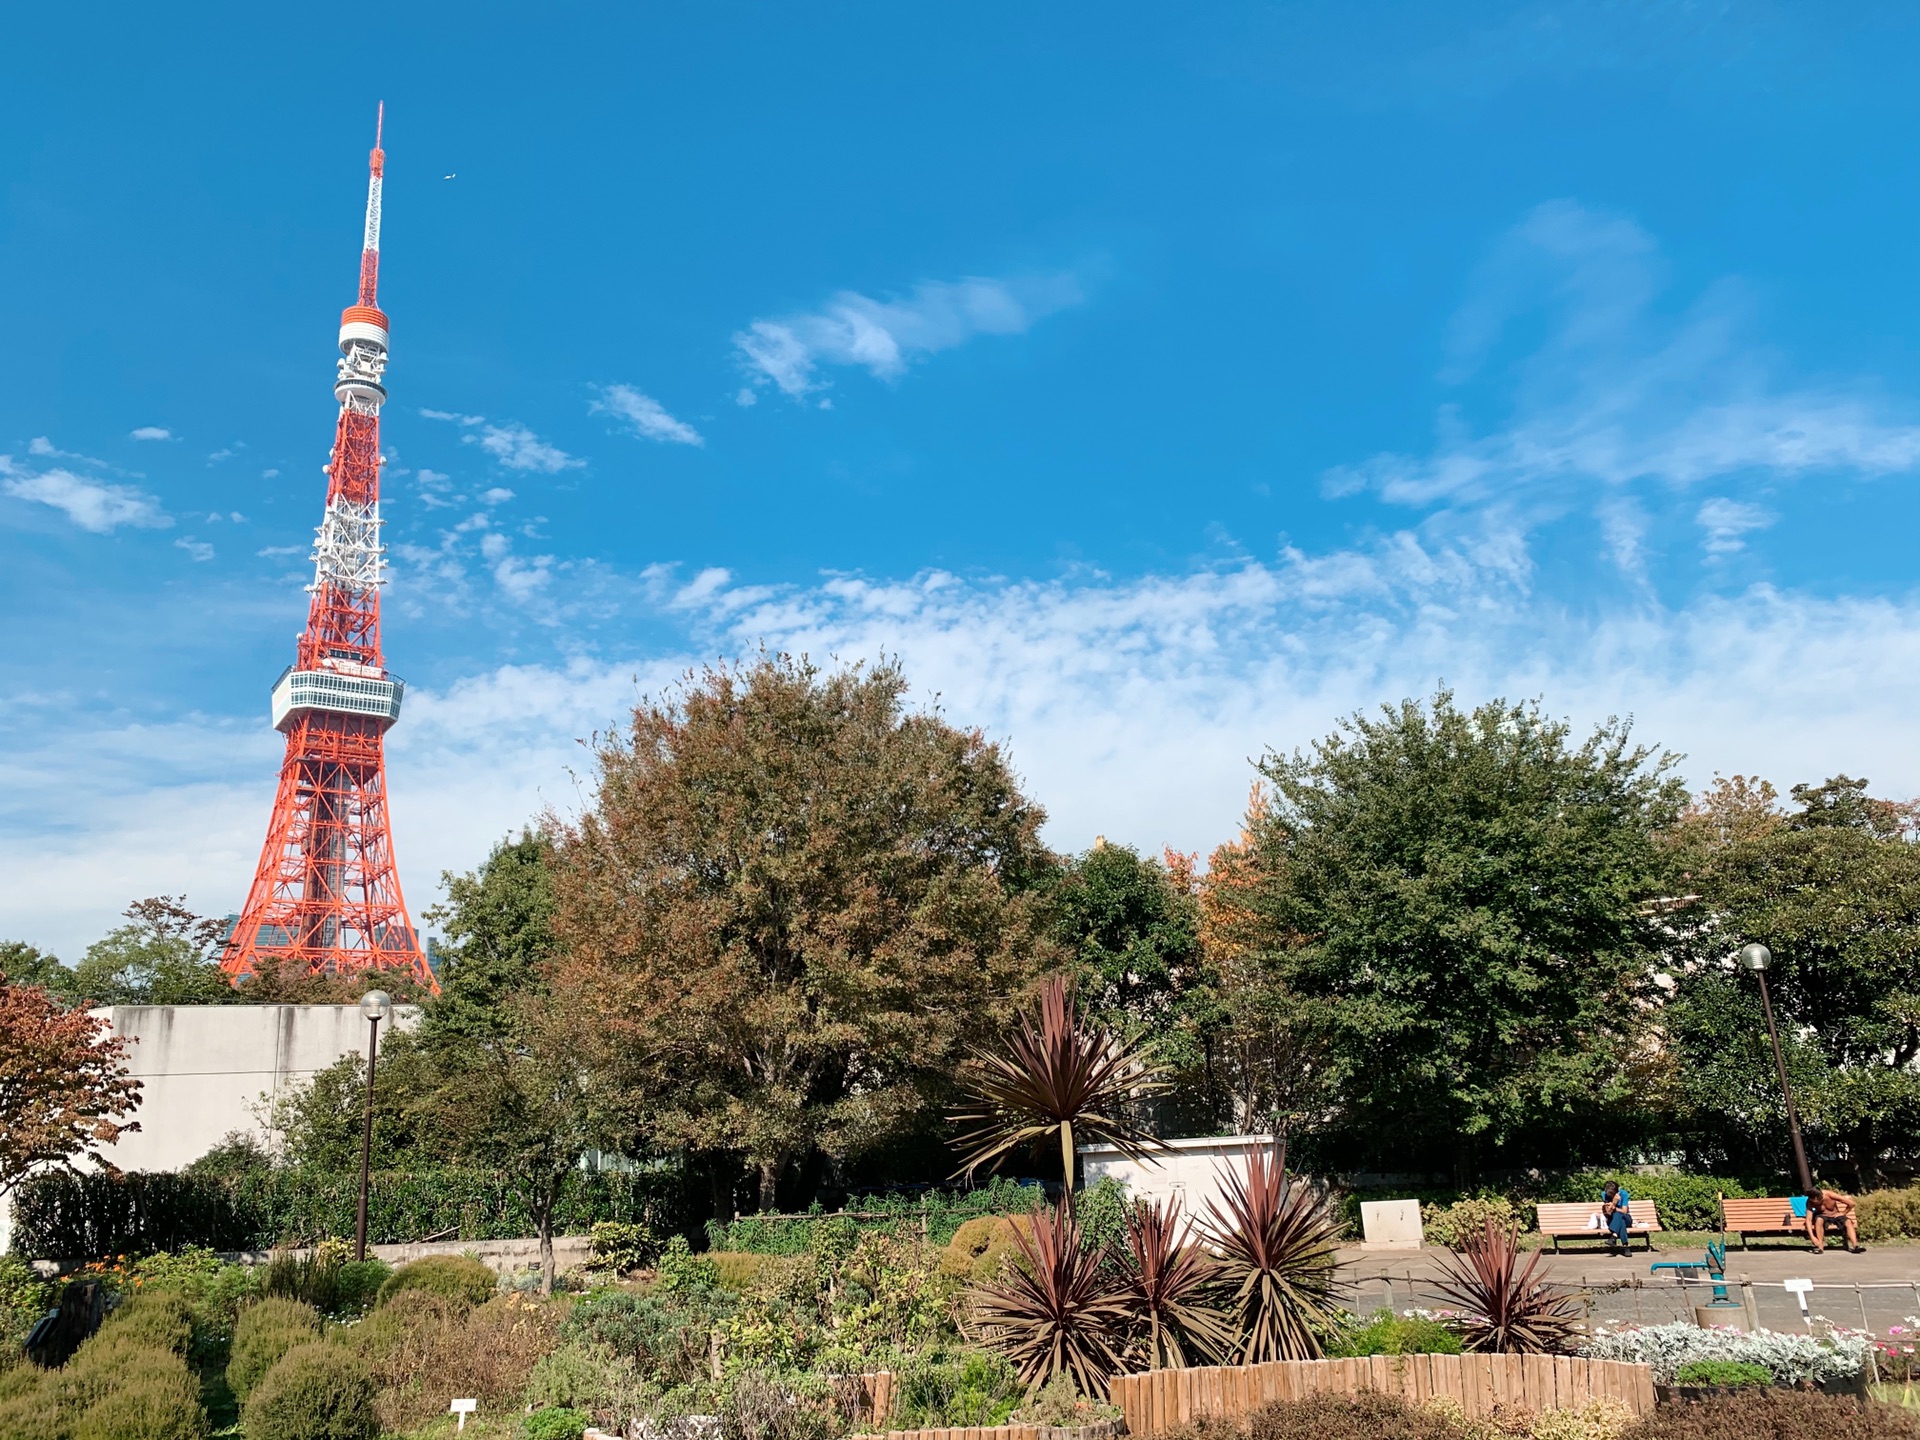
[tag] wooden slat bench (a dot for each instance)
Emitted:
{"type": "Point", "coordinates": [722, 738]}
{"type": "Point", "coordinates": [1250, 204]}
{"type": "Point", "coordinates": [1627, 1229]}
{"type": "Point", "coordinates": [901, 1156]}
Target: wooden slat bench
{"type": "Point", "coordinates": [1573, 1222]}
{"type": "Point", "coordinates": [1770, 1215]}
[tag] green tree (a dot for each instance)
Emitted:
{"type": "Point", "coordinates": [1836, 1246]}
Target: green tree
{"type": "Point", "coordinates": [26, 964]}
{"type": "Point", "coordinates": [1458, 898]}
{"type": "Point", "coordinates": [498, 922]}
{"type": "Point", "coordinates": [1832, 887]}
{"type": "Point", "coordinates": [319, 1123]}
{"type": "Point", "coordinates": [165, 955]}
{"type": "Point", "coordinates": [791, 908]}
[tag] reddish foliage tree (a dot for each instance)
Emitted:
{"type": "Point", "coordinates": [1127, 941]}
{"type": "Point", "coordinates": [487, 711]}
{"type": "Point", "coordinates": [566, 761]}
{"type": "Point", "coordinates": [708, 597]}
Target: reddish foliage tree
{"type": "Point", "coordinates": [63, 1081]}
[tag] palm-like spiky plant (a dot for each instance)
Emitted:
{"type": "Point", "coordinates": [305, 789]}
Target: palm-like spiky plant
{"type": "Point", "coordinates": [1275, 1241]}
{"type": "Point", "coordinates": [1059, 1309]}
{"type": "Point", "coordinates": [1065, 1074]}
{"type": "Point", "coordinates": [1169, 1280]}
{"type": "Point", "coordinates": [1505, 1306]}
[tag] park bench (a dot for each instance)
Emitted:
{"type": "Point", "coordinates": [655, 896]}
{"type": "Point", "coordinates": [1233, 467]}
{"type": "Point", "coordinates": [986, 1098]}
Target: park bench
{"type": "Point", "coordinates": [1576, 1222]}
{"type": "Point", "coordinates": [1770, 1215]}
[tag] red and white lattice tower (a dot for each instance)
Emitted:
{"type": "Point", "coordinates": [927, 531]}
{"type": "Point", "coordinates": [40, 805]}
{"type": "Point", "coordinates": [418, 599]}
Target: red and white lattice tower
{"type": "Point", "coordinates": [326, 896]}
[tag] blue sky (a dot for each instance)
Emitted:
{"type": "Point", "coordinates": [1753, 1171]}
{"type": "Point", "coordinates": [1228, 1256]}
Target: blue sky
{"type": "Point", "coordinates": [1159, 384]}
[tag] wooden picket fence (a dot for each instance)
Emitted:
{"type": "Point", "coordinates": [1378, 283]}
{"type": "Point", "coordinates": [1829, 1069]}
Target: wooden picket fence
{"type": "Point", "coordinates": [1162, 1399]}
{"type": "Point", "coordinates": [1099, 1430]}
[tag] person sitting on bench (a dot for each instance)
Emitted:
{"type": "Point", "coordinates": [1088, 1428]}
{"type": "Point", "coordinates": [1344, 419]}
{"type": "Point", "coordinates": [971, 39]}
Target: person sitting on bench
{"type": "Point", "coordinates": [1828, 1207]}
{"type": "Point", "coordinates": [1617, 1214]}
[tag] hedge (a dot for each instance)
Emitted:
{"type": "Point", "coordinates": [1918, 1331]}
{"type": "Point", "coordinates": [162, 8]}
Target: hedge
{"type": "Point", "coordinates": [937, 1214]}
{"type": "Point", "coordinates": [1685, 1202]}
{"type": "Point", "coordinates": [61, 1216]}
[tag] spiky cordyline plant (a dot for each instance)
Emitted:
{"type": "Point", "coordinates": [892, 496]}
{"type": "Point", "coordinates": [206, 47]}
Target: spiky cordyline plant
{"type": "Point", "coordinates": [1170, 1279]}
{"type": "Point", "coordinates": [1275, 1240]}
{"type": "Point", "coordinates": [1505, 1306]}
{"type": "Point", "coordinates": [1059, 1309]}
{"type": "Point", "coordinates": [1063, 1075]}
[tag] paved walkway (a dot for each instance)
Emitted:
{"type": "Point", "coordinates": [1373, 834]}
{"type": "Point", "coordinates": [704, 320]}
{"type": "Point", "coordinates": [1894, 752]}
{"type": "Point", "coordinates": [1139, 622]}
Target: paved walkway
{"type": "Point", "coordinates": [1884, 1283]}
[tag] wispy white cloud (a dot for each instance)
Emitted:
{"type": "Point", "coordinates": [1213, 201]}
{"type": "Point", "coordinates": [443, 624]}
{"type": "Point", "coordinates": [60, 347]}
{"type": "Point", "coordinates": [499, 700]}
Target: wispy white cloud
{"type": "Point", "coordinates": [91, 504]}
{"type": "Point", "coordinates": [1619, 397]}
{"type": "Point", "coordinates": [644, 415]}
{"type": "Point", "coordinates": [152, 432]}
{"type": "Point", "coordinates": [199, 550]}
{"type": "Point", "coordinates": [884, 337]}
{"type": "Point", "coordinates": [511, 444]}
{"type": "Point", "coordinates": [1727, 522]}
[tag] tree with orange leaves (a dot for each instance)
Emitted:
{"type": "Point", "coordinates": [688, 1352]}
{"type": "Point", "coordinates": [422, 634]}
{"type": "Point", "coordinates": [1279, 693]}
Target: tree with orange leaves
{"type": "Point", "coordinates": [63, 1083]}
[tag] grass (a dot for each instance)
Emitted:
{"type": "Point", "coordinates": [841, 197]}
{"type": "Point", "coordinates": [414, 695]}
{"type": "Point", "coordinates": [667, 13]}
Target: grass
{"type": "Point", "coordinates": [1906, 1396]}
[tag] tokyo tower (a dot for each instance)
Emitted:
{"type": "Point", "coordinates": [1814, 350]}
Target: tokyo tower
{"type": "Point", "coordinates": [326, 896]}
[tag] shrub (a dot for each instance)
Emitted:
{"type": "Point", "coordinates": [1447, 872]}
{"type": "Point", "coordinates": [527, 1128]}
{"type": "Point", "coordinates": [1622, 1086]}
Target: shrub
{"type": "Point", "coordinates": [1369, 1415]}
{"type": "Point", "coordinates": [264, 1332]}
{"type": "Point", "coordinates": [1458, 1224]}
{"type": "Point", "coordinates": [459, 1278]}
{"type": "Point", "coordinates": [761, 1406]}
{"type": "Point", "coordinates": [1722, 1372]}
{"type": "Point", "coordinates": [1060, 1402]}
{"type": "Point", "coordinates": [24, 1298]}
{"type": "Point", "coordinates": [931, 1215]}
{"type": "Point", "coordinates": [1889, 1214]}
{"type": "Point", "coordinates": [682, 1270]}
{"type": "Point", "coordinates": [588, 1375]}
{"type": "Point", "coordinates": [1790, 1359]}
{"type": "Point", "coordinates": [621, 1245]}
{"type": "Point", "coordinates": [213, 1290]}
{"type": "Point", "coordinates": [383, 1331]}
{"type": "Point", "coordinates": [936, 1391]}
{"type": "Point", "coordinates": [982, 1245]}
{"type": "Point", "coordinates": [1275, 1241]}
{"type": "Point", "coordinates": [487, 1352]}
{"type": "Point", "coordinates": [554, 1423]}
{"type": "Point", "coordinates": [314, 1392]}
{"type": "Point", "coordinates": [161, 1320]}
{"type": "Point", "coordinates": [667, 1336]}
{"type": "Point", "coordinates": [1774, 1413]}
{"type": "Point", "coordinates": [1385, 1333]}
{"type": "Point", "coordinates": [737, 1269]}
{"type": "Point", "coordinates": [1057, 1311]}
{"type": "Point", "coordinates": [160, 1401]}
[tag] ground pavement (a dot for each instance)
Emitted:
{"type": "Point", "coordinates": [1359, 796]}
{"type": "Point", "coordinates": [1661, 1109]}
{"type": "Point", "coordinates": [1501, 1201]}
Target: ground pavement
{"type": "Point", "coordinates": [1873, 1291]}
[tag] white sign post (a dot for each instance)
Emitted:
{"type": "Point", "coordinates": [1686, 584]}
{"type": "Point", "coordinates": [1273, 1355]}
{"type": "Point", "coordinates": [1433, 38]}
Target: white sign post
{"type": "Point", "coordinates": [1800, 1289]}
{"type": "Point", "coordinates": [462, 1408]}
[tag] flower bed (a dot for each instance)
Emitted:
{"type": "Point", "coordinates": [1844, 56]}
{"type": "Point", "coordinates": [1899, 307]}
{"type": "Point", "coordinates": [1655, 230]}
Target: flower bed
{"type": "Point", "coordinates": [1791, 1359]}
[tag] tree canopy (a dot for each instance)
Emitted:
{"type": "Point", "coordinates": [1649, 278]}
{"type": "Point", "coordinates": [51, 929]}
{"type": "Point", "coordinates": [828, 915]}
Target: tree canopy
{"type": "Point", "coordinates": [1459, 898]}
{"type": "Point", "coordinates": [64, 1087]}
{"type": "Point", "coordinates": [792, 906]}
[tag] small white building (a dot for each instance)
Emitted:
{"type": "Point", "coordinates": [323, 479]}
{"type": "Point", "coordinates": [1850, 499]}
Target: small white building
{"type": "Point", "coordinates": [1190, 1171]}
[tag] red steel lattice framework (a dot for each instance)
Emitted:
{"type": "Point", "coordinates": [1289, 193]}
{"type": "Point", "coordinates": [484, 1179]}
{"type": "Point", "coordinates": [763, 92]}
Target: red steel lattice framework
{"type": "Point", "coordinates": [326, 897]}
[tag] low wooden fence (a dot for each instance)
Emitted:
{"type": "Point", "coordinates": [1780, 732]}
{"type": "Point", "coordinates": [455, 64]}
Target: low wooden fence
{"type": "Point", "coordinates": [1161, 1399]}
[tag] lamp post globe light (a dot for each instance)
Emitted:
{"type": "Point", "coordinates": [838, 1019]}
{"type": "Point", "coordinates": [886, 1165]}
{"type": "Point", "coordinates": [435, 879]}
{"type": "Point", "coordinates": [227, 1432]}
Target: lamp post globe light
{"type": "Point", "coordinates": [1757, 957]}
{"type": "Point", "coordinates": [376, 1005]}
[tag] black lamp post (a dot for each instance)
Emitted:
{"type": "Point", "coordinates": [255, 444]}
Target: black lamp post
{"type": "Point", "coordinates": [1756, 958]}
{"type": "Point", "coordinates": [376, 1005]}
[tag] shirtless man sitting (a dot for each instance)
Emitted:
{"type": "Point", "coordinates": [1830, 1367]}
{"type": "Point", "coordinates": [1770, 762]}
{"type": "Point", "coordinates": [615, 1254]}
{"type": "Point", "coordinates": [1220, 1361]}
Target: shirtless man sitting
{"type": "Point", "coordinates": [1827, 1207]}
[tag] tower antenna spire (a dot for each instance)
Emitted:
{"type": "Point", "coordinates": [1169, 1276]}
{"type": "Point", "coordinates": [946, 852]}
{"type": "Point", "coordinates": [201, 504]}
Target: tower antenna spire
{"type": "Point", "coordinates": [326, 895]}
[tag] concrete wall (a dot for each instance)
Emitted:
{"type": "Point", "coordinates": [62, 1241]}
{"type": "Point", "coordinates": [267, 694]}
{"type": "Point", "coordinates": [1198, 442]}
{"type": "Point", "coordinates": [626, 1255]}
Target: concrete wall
{"type": "Point", "coordinates": [1191, 1172]}
{"type": "Point", "coordinates": [206, 1071]}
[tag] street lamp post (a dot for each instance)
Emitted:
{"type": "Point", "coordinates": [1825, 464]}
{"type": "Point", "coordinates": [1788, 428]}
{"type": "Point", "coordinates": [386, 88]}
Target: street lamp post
{"type": "Point", "coordinates": [376, 1005]}
{"type": "Point", "coordinates": [1756, 958]}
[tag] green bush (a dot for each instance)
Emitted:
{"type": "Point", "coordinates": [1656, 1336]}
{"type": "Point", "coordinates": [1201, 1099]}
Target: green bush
{"type": "Point", "coordinates": [934, 1215]}
{"type": "Point", "coordinates": [213, 1290]}
{"type": "Point", "coordinates": [157, 1402]}
{"type": "Point", "coordinates": [621, 1245]}
{"type": "Point", "coordinates": [555, 1423]}
{"type": "Point", "coordinates": [24, 1298]}
{"type": "Point", "coordinates": [587, 1375]}
{"type": "Point", "coordinates": [316, 1392]}
{"type": "Point", "coordinates": [1454, 1225]}
{"type": "Point", "coordinates": [459, 1278]}
{"type": "Point", "coordinates": [1722, 1372]}
{"type": "Point", "coordinates": [161, 1320]}
{"type": "Point", "coordinates": [1384, 1333]}
{"type": "Point", "coordinates": [1889, 1214]}
{"type": "Point", "coordinates": [60, 1216]}
{"type": "Point", "coordinates": [264, 1332]}
{"type": "Point", "coordinates": [682, 1271]}
{"type": "Point", "coordinates": [409, 1312]}
{"type": "Point", "coordinates": [933, 1391]}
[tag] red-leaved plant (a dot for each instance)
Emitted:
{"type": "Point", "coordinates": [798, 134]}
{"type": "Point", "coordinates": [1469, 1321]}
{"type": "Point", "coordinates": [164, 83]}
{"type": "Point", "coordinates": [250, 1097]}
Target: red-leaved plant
{"type": "Point", "coordinates": [1065, 1074]}
{"type": "Point", "coordinates": [1276, 1240]}
{"type": "Point", "coordinates": [1059, 1308]}
{"type": "Point", "coordinates": [1506, 1306]}
{"type": "Point", "coordinates": [1169, 1280]}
